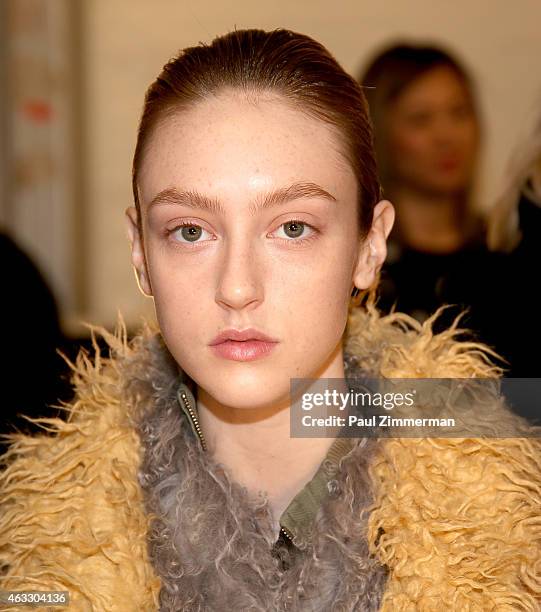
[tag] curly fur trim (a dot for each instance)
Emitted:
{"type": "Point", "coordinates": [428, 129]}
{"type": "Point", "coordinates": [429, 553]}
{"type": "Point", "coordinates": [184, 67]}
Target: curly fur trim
{"type": "Point", "coordinates": [456, 521]}
{"type": "Point", "coordinates": [69, 498]}
{"type": "Point", "coordinates": [461, 516]}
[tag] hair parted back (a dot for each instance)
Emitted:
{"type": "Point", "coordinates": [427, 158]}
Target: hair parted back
{"type": "Point", "coordinates": [282, 62]}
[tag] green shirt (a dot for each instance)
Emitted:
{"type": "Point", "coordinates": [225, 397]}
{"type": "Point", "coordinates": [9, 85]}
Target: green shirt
{"type": "Point", "coordinates": [298, 517]}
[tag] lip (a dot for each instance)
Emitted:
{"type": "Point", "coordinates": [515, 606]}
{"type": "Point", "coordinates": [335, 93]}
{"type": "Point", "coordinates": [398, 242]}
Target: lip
{"type": "Point", "coordinates": [245, 345]}
{"type": "Point", "coordinates": [241, 336]}
{"type": "Point", "coordinates": [450, 163]}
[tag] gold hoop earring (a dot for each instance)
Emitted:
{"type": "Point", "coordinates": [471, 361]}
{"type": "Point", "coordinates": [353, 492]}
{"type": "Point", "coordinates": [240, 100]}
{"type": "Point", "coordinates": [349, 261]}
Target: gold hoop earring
{"type": "Point", "coordinates": [138, 281]}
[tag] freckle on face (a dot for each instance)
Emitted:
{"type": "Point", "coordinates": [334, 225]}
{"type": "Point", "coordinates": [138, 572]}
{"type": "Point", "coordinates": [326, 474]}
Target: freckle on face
{"type": "Point", "coordinates": [243, 279]}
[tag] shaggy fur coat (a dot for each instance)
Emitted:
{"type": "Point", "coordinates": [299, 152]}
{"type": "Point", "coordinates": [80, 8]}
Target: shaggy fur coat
{"type": "Point", "coordinates": [119, 505]}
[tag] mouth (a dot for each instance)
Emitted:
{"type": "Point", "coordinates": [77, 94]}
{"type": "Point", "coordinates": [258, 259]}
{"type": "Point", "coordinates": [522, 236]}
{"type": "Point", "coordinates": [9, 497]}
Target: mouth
{"type": "Point", "coordinates": [241, 336]}
{"type": "Point", "coordinates": [246, 345]}
{"type": "Point", "coordinates": [448, 164]}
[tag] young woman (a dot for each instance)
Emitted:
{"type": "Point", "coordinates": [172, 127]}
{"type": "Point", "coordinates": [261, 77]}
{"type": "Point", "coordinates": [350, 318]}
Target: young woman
{"type": "Point", "coordinates": [175, 482]}
{"type": "Point", "coordinates": [427, 135]}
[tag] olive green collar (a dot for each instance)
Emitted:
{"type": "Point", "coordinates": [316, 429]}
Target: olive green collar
{"type": "Point", "coordinates": [297, 519]}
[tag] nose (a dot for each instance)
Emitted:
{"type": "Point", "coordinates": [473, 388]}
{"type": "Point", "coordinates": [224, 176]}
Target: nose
{"type": "Point", "coordinates": [446, 130]}
{"type": "Point", "coordinates": [239, 283]}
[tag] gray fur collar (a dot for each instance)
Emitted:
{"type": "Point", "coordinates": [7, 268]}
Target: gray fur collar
{"type": "Point", "coordinates": [211, 541]}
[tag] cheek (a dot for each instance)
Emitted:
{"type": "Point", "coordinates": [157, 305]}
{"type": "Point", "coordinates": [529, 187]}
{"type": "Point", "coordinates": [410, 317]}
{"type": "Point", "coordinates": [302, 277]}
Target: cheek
{"type": "Point", "coordinates": [303, 296]}
{"type": "Point", "coordinates": [182, 312]}
{"type": "Point", "coordinates": [316, 298]}
{"type": "Point", "coordinates": [409, 148]}
{"type": "Point", "coordinates": [177, 294]}
{"type": "Point", "coordinates": [470, 139]}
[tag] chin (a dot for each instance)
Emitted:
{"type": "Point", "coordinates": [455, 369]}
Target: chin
{"type": "Point", "coordinates": [247, 394]}
{"type": "Point", "coordinates": [450, 183]}
{"type": "Point", "coordinates": [252, 384]}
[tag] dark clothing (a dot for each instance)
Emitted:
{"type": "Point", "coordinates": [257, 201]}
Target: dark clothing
{"type": "Point", "coordinates": [499, 291]}
{"type": "Point", "coordinates": [516, 330]}
{"type": "Point", "coordinates": [418, 282]}
{"type": "Point", "coordinates": [31, 333]}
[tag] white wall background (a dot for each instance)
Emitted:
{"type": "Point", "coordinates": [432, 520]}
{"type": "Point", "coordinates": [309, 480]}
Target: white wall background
{"type": "Point", "coordinates": [126, 42]}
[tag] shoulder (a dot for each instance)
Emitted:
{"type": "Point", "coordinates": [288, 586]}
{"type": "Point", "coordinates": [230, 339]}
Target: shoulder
{"type": "Point", "coordinates": [456, 520]}
{"type": "Point", "coordinates": [70, 506]}
{"type": "Point", "coordinates": [396, 345]}
{"type": "Point", "coordinates": [460, 521]}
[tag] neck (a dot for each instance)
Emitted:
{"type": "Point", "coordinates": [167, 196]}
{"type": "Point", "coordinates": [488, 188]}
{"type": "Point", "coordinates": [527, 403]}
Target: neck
{"type": "Point", "coordinates": [429, 222]}
{"type": "Point", "coordinates": [256, 447]}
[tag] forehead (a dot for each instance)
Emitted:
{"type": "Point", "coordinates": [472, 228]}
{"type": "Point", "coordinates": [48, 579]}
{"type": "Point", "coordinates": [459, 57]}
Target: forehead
{"type": "Point", "coordinates": [231, 145]}
{"type": "Point", "coordinates": [437, 85]}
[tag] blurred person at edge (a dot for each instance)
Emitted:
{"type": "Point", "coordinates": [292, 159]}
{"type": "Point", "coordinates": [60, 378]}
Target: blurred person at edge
{"type": "Point", "coordinates": [30, 318]}
{"type": "Point", "coordinates": [178, 483]}
{"type": "Point", "coordinates": [514, 229]}
{"type": "Point", "coordinates": [427, 134]}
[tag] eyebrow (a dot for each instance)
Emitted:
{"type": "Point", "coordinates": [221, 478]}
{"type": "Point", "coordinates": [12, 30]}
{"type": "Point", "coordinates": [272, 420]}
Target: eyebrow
{"type": "Point", "coordinates": [194, 199]}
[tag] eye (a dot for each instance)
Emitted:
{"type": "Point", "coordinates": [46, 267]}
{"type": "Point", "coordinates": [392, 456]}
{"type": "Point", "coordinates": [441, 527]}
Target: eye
{"type": "Point", "coordinates": [295, 230]}
{"type": "Point", "coordinates": [187, 232]}
{"type": "Point", "coordinates": [419, 120]}
{"type": "Point", "coordinates": [461, 112]}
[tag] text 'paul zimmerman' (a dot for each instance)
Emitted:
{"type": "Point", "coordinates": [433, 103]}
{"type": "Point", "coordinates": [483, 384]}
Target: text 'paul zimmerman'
{"type": "Point", "coordinates": [387, 401]}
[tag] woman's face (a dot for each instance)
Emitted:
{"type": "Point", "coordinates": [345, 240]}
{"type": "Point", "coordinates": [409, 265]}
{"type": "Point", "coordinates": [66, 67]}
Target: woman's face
{"type": "Point", "coordinates": [433, 135]}
{"type": "Point", "coordinates": [284, 265]}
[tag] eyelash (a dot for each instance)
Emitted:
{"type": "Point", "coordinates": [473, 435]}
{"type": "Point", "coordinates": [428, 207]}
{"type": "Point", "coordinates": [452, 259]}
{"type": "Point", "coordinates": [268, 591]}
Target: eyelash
{"type": "Point", "coordinates": [295, 241]}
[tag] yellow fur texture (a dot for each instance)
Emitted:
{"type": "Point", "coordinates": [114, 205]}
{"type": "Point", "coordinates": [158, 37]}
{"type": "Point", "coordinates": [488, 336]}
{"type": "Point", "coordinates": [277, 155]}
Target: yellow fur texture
{"type": "Point", "coordinates": [459, 519]}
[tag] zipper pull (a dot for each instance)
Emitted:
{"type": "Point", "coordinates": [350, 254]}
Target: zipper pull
{"type": "Point", "coordinates": [189, 407]}
{"type": "Point", "coordinates": [287, 534]}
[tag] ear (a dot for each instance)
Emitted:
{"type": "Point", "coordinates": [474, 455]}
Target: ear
{"type": "Point", "coordinates": [137, 251]}
{"type": "Point", "coordinates": [373, 251]}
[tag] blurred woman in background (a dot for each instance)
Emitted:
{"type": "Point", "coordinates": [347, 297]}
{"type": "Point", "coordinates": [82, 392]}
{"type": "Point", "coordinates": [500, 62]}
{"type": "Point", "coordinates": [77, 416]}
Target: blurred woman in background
{"type": "Point", "coordinates": [514, 229]}
{"type": "Point", "coordinates": [427, 134]}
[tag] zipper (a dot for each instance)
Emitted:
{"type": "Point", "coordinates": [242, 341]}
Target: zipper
{"type": "Point", "coordinates": [287, 533]}
{"type": "Point", "coordinates": [197, 428]}
{"type": "Point", "coordinates": [194, 418]}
